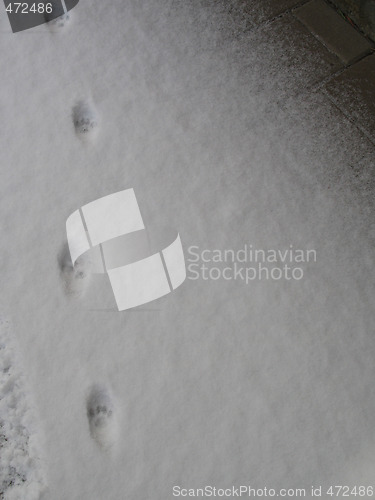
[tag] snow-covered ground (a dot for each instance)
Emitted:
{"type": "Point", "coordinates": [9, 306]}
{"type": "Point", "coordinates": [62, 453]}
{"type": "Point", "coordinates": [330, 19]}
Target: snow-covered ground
{"type": "Point", "coordinates": [21, 461]}
{"type": "Point", "coordinates": [209, 115]}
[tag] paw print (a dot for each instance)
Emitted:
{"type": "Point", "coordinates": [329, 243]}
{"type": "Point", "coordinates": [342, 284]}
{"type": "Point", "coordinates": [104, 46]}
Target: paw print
{"type": "Point", "coordinates": [84, 118]}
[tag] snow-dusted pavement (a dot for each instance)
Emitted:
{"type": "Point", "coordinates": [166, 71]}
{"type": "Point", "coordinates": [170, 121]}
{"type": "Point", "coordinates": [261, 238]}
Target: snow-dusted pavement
{"type": "Point", "coordinates": [214, 117]}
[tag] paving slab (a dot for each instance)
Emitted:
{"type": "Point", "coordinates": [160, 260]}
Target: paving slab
{"type": "Point", "coordinates": [362, 13]}
{"type": "Point", "coordinates": [333, 31]}
{"type": "Point", "coordinates": [354, 93]}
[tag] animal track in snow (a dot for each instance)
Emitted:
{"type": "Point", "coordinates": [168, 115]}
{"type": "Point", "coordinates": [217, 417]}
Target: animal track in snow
{"type": "Point", "coordinates": [75, 278]}
{"type": "Point", "coordinates": [101, 417]}
{"type": "Point", "coordinates": [85, 120]}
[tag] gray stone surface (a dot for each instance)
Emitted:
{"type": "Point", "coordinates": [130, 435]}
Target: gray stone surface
{"type": "Point", "coordinates": [290, 44]}
{"type": "Point", "coordinates": [362, 12]}
{"type": "Point", "coordinates": [333, 31]}
{"type": "Point", "coordinates": [354, 93]}
{"type": "Point", "coordinates": [267, 9]}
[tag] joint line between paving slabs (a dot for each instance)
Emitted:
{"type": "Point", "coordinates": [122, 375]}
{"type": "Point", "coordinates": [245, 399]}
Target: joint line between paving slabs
{"type": "Point", "coordinates": [337, 73]}
{"type": "Point", "coordinates": [348, 117]}
{"type": "Point", "coordinates": [289, 10]}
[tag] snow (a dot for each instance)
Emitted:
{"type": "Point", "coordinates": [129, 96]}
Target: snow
{"type": "Point", "coordinates": [21, 469]}
{"type": "Point", "coordinates": [216, 125]}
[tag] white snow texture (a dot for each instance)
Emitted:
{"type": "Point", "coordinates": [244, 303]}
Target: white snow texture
{"type": "Point", "coordinates": [21, 468]}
